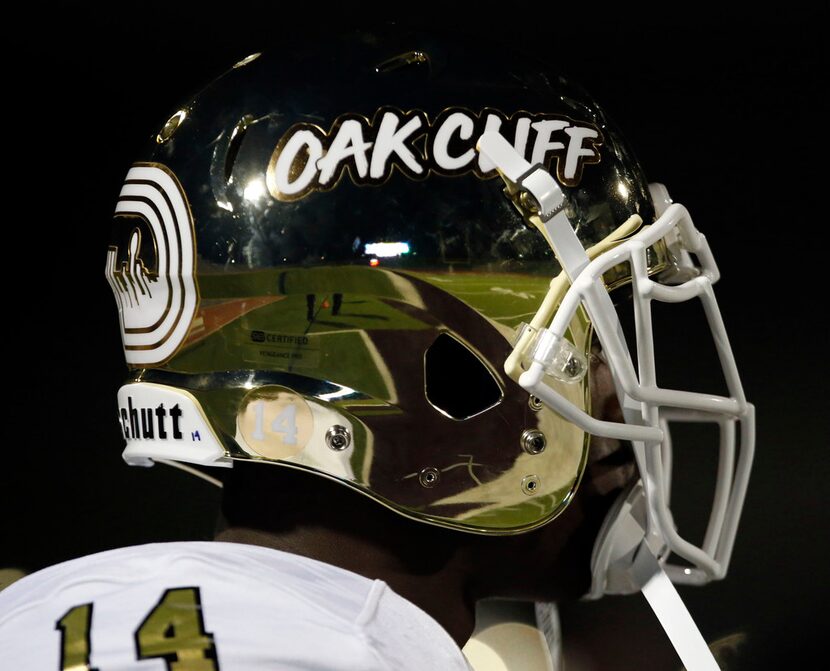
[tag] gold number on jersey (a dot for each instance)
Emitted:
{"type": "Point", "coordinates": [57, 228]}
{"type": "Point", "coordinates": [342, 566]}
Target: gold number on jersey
{"type": "Point", "coordinates": [175, 631]}
{"type": "Point", "coordinates": [75, 648]}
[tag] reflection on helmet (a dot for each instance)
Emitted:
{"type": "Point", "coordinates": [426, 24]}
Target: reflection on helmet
{"type": "Point", "coordinates": [312, 263]}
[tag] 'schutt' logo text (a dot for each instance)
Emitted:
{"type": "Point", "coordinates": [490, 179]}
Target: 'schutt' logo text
{"type": "Point", "coordinates": [153, 423]}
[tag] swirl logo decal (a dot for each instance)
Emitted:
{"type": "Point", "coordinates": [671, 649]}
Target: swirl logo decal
{"type": "Point", "coordinates": [151, 266]}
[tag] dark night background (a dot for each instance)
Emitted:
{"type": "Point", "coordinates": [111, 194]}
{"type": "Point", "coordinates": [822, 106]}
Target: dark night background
{"type": "Point", "coordinates": [728, 109]}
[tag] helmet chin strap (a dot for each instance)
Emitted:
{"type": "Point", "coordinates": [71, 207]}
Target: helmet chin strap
{"type": "Point", "coordinates": [623, 562]}
{"type": "Point", "coordinates": [626, 552]}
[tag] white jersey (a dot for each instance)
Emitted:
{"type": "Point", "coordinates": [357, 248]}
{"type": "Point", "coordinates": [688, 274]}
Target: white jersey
{"type": "Point", "coordinates": [205, 606]}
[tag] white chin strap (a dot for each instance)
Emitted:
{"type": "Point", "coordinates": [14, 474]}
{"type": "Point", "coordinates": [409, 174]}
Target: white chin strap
{"type": "Point", "coordinates": [623, 563]}
{"type": "Point", "coordinates": [639, 533]}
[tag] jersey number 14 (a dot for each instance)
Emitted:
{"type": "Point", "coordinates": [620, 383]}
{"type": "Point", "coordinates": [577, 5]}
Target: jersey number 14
{"type": "Point", "coordinates": [173, 630]}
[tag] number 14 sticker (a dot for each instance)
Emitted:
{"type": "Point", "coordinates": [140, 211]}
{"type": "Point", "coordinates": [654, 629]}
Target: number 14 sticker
{"type": "Point", "coordinates": [275, 422]}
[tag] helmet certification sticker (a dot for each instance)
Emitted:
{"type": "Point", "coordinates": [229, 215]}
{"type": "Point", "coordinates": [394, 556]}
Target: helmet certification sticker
{"type": "Point", "coordinates": [296, 351]}
{"type": "Point", "coordinates": [150, 268]}
{"type": "Point", "coordinates": [308, 158]}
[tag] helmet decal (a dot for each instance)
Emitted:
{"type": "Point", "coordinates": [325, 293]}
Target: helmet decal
{"type": "Point", "coordinates": [151, 266]}
{"type": "Point", "coordinates": [308, 158]}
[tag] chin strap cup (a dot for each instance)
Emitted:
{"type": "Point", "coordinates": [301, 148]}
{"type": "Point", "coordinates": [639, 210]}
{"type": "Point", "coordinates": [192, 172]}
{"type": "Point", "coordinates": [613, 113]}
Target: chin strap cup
{"type": "Point", "coordinates": [615, 550]}
{"type": "Point", "coordinates": [623, 563]}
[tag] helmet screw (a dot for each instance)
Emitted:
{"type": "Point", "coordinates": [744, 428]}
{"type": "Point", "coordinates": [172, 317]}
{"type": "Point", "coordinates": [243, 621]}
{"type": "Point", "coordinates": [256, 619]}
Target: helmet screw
{"type": "Point", "coordinates": [429, 477]}
{"type": "Point", "coordinates": [530, 484]}
{"type": "Point", "coordinates": [338, 438]}
{"type": "Point", "coordinates": [534, 403]}
{"type": "Point", "coordinates": [533, 441]}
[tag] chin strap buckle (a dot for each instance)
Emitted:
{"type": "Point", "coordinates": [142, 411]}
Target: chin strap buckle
{"type": "Point", "coordinates": [530, 188]}
{"type": "Point", "coordinates": [536, 194]}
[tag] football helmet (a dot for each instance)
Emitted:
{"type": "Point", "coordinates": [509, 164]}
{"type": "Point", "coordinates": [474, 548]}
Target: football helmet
{"type": "Point", "coordinates": [385, 260]}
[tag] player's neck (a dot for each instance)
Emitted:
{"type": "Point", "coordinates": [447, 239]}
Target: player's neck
{"type": "Point", "coordinates": [437, 587]}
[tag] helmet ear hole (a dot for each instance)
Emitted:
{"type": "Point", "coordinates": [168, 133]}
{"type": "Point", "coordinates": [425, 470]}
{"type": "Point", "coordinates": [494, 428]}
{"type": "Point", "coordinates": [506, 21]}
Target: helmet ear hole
{"type": "Point", "coordinates": [457, 382]}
